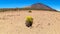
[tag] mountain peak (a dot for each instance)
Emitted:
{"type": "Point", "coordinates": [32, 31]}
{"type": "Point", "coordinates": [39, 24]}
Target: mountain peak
{"type": "Point", "coordinates": [40, 6]}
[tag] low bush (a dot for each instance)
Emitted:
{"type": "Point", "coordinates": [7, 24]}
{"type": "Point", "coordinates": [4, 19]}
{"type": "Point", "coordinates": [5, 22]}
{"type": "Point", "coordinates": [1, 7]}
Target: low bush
{"type": "Point", "coordinates": [29, 21]}
{"type": "Point", "coordinates": [30, 11]}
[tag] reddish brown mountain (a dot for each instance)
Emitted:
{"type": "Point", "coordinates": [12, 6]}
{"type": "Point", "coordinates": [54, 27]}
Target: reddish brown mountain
{"type": "Point", "coordinates": [40, 6]}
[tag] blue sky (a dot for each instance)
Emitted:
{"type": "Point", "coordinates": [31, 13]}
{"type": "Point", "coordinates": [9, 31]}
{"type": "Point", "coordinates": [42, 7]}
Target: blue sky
{"type": "Point", "coordinates": [55, 4]}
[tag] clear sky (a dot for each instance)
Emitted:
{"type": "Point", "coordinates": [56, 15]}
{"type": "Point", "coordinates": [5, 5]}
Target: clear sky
{"type": "Point", "coordinates": [55, 4]}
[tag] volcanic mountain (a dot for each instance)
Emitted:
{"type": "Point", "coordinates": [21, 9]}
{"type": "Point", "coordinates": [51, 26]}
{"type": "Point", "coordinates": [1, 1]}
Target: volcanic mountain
{"type": "Point", "coordinates": [39, 6]}
{"type": "Point", "coordinates": [36, 6]}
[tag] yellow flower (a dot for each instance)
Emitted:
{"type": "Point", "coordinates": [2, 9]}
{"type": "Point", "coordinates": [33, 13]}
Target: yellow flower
{"type": "Point", "coordinates": [29, 18]}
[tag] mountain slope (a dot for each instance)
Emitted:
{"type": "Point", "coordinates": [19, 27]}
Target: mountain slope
{"type": "Point", "coordinates": [40, 6]}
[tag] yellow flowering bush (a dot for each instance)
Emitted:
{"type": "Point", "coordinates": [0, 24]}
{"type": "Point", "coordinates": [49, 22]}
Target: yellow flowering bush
{"type": "Point", "coordinates": [29, 21]}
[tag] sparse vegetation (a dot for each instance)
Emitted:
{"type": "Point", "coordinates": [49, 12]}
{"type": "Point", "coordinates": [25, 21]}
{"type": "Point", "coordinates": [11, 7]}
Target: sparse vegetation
{"type": "Point", "coordinates": [15, 9]}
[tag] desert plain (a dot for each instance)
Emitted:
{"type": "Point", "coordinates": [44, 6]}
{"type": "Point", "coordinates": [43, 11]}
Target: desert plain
{"type": "Point", "coordinates": [44, 22]}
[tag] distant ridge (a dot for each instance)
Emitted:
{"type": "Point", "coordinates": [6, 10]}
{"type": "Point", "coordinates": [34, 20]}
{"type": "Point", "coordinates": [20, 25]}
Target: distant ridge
{"type": "Point", "coordinates": [40, 6]}
{"type": "Point", "coordinates": [36, 6]}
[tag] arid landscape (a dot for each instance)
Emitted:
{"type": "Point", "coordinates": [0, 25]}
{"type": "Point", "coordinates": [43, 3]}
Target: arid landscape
{"type": "Point", "coordinates": [44, 22]}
